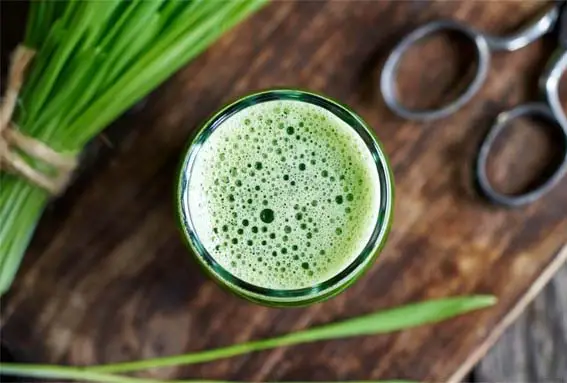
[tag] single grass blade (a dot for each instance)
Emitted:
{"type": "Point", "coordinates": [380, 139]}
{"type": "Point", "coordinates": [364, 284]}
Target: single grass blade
{"type": "Point", "coordinates": [63, 372]}
{"type": "Point", "coordinates": [77, 373]}
{"type": "Point", "coordinates": [395, 319]}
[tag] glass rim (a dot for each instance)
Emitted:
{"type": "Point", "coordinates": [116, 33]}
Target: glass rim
{"type": "Point", "coordinates": [376, 240]}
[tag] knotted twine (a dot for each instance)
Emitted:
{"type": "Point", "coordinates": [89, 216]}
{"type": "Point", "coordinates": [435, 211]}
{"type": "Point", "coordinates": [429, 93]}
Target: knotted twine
{"type": "Point", "coordinates": [14, 144]}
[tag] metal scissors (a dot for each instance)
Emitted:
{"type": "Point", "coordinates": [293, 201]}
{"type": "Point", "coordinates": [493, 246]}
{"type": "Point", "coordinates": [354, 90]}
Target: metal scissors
{"type": "Point", "coordinates": [549, 108]}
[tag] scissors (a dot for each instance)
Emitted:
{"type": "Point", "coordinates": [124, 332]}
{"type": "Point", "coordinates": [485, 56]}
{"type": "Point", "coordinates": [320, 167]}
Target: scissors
{"type": "Point", "coordinates": [553, 21]}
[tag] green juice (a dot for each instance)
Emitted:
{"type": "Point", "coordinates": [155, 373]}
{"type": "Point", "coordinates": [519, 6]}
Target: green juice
{"type": "Point", "coordinates": [285, 197]}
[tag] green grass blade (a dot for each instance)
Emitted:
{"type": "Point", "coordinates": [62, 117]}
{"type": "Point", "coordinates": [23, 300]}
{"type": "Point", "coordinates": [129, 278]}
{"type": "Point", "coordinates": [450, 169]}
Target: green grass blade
{"type": "Point", "coordinates": [19, 227]}
{"type": "Point", "coordinates": [187, 19]}
{"type": "Point", "coordinates": [127, 54]}
{"type": "Point", "coordinates": [71, 11]}
{"type": "Point", "coordinates": [63, 372]}
{"type": "Point", "coordinates": [400, 318]}
{"type": "Point", "coordinates": [53, 71]}
{"type": "Point", "coordinates": [31, 40]}
{"type": "Point", "coordinates": [172, 9]}
{"type": "Point", "coordinates": [84, 67]}
{"type": "Point", "coordinates": [101, 12]}
{"type": "Point", "coordinates": [121, 17]}
{"type": "Point", "coordinates": [41, 59]}
{"type": "Point", "coordinates": [77, 373]}
{"type": "Point", "coordinates": [131, 26]}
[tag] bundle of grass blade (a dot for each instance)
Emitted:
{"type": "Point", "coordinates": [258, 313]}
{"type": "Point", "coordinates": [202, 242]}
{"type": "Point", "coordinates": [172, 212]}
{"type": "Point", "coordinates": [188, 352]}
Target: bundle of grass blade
{"type": "Point", "coordinates": [93, 60]}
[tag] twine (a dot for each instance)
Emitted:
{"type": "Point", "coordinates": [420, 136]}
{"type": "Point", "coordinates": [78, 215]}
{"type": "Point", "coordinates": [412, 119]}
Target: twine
{"type": "Point", "coordinates": [13, 143]}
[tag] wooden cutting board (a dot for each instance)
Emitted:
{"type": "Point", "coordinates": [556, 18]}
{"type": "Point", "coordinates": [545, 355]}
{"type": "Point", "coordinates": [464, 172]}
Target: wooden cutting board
{"type": "Point", "coordinates": [107, 277]}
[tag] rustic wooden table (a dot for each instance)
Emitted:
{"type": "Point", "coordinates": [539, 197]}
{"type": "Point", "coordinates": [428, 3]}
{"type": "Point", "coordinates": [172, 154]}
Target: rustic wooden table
{"type": "Point", "coordinates": [107, 277]}
{"type": "Point", "coordinates": [533, 349]}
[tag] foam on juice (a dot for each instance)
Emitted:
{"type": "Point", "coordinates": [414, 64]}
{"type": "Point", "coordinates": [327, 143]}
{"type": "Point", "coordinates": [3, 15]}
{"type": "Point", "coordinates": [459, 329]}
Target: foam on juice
{"type": "Point", "coordinates": [284, 194]}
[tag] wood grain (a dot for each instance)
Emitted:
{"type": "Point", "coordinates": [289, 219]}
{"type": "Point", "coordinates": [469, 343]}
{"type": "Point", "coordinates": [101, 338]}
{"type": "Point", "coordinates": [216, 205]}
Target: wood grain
{"type": "Point", "coordinates": [534, 348]}
{"type": "Point", "coordinates": [108, 279]}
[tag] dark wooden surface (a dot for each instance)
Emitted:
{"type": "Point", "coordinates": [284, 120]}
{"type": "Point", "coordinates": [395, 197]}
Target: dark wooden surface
{"type": "Point", "coordinates": [107, 277]}
{"type": "Point", "coordinates": [533, 349]}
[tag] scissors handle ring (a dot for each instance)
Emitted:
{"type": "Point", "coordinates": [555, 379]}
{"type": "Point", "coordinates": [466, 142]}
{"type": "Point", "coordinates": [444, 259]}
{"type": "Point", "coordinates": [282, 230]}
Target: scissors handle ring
{"type": "Point", "coordinates": [390, 70]}
{"type": "Point", "coordinates": [482, 182]}
{"type": "Point", "coordinates": [549, 83]}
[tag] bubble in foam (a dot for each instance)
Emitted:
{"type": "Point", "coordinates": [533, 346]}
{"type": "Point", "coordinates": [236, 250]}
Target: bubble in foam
{"type": "Point", "coordinates": [267, 215]}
